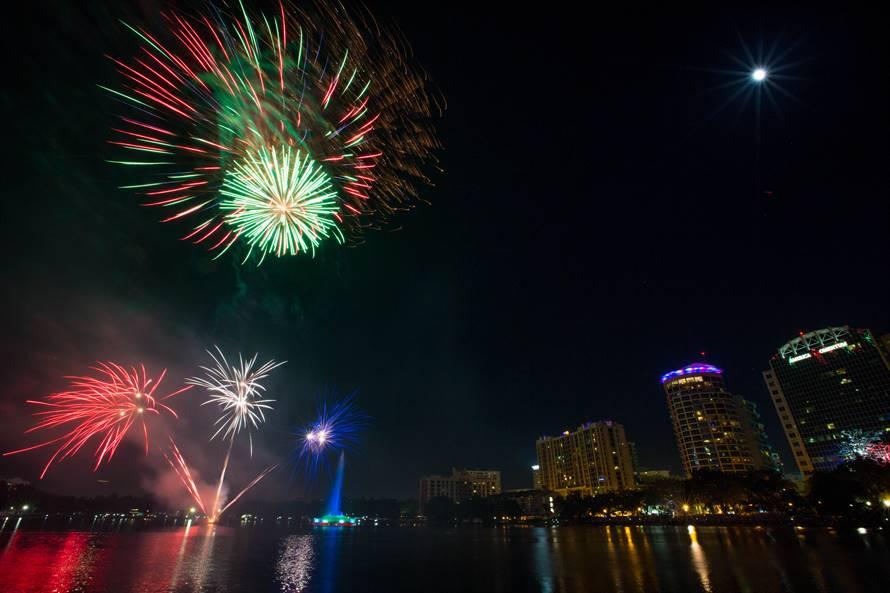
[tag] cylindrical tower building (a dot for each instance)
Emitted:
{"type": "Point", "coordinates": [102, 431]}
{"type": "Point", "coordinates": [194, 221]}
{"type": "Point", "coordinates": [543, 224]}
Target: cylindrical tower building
{"type": "Point", "coordinates": [710, 423]}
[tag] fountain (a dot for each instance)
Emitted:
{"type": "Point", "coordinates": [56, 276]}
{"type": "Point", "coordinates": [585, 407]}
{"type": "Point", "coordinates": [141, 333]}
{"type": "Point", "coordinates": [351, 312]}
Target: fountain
{"type": "Point", "coordinates": [333, 516]}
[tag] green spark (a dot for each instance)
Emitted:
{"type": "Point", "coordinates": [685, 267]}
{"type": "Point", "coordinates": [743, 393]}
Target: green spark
{"type": "Point", "coordinates": [280, 201]}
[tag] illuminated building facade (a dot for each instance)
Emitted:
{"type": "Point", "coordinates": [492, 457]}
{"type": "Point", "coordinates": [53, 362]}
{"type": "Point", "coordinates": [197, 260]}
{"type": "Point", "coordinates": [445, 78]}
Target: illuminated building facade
{"type": "Point", "coordinates": [460, 485]}
{"type": "Point", "coordinates": [594, 459]}
{"type": "Point", "coordinates": [715, 429]}
{"type": "Point", "coordinates": [825, 382]}
{"type": "Point", "coordinates": [470, 483]}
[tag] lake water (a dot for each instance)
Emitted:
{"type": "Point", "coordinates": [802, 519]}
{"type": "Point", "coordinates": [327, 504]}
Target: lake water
{"type": "Point", "coordinates": [515, 559]}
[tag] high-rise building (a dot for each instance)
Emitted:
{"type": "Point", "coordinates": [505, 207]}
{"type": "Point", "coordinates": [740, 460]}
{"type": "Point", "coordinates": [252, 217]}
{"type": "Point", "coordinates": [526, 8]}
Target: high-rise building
{"type": "Point", "coordinates": [471, 483]}
{"type": "Point", "coordinates": [536, 478]}
{"type": "Point", "coordinates": [824, 383]}
{"type": "Point", "coordinates": [435, 487]}
{"type": "Point", "coordinates": [769, 458]}
{"type": "Point", "coordinates": [594, 459]}
{"type": "Point", "coordinates": [634, 460]}
{"type": "Point", "coordinates": [459, 486]}
{"type": "Point", "coordinates": [715, 429]}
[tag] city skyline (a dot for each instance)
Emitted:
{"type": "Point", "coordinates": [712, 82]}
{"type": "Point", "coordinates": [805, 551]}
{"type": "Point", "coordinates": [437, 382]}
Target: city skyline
{"type": "Point", "coordinates": [694, 368]}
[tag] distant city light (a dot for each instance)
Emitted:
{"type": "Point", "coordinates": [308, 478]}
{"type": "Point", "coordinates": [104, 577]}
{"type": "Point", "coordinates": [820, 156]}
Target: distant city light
{"type": "Point", "coordinates": [536, 467]}
{"type": "Point", "coordinates": [25, 507]}
{"type": "Point", "coordinates": [759, 75]}
{"type": "Point", "coordinates": [192, 510]}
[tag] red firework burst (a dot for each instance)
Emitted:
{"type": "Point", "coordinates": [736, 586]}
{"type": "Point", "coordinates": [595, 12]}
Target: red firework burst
{"type": "Point", "coordinates": [105, 406]}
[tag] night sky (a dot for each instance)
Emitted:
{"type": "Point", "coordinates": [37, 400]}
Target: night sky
{"type": "Point", "coordinates": [606, 212]}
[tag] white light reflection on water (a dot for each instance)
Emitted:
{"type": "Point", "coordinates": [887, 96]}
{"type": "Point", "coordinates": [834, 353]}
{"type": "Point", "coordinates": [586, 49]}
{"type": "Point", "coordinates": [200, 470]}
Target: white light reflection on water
{"type": "Point", "coordinates": [295, 563]}
{"type": "Point", "coordinates": [203, 564]}
{"type": "Point", "coordinates": [178, 566]}
{"type": "Point", "coordinates": [14, 531]}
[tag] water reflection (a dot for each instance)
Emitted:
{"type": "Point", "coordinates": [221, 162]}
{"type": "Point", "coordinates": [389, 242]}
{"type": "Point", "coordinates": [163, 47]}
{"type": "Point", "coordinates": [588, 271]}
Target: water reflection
{"type": "Point", "coordinates": [200, 559]}
{"type": "Point", "coordinates": [178, 566]}
{"type": "Point", "coordinates": [698, 559]}
{"type": "Point", "coordinates": [295, 562]}
{"type": "Point", "coordinates": [543, 560]}
{"type": "Point", "coordinates": [615, 558]}
{"type": "Point", "coordinates": [201, 567]}
{"type": "Point", "coordinates": [47, 563]}
{"type": "Point", "coordinates": [14, 531]}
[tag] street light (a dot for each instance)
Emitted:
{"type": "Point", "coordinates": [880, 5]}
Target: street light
{"type": "Point", "coordinates": [759, 74]}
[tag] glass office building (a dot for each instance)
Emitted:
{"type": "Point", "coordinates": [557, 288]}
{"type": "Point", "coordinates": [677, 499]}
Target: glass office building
{"type": "Point", "coordinates": [825, 383]}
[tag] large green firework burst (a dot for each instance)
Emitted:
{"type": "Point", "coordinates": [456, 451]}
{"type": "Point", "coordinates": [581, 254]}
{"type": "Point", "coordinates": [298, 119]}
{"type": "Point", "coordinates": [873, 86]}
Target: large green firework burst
{"type": "Point", "coordinates": [275, 132]}
{"type": "Point", "coordinates": [280, 201]}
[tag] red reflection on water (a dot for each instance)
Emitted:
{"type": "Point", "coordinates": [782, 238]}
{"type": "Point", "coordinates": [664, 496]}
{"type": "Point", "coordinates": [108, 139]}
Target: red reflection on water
{"type": "Point", "coordinates": [34, 562]}
{"type": "Point", "coordinates": [157, 560]}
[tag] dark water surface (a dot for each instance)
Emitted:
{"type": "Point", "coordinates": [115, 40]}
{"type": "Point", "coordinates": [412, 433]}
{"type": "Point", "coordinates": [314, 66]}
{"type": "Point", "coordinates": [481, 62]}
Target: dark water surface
{"type": "Point", "coordinates": [520, 559]}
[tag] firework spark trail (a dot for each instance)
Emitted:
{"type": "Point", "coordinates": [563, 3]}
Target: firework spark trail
{"type": "Point", "coordinates": [180, 466]}
{"type": "Point", "coordinates": [237, 390]}
{"type": "Point", "coordinates": [278, 131]}
{"type": "Point", "coordinates": [222, 477]}
{"type": "Point", "coordinates": [253, 483]}
{"type": "Point", "coordinates": [177, 462]}
{"type": "Point", "coordinates": [106, 406]}
{"type": "Point", "coordinates": [335, 429]}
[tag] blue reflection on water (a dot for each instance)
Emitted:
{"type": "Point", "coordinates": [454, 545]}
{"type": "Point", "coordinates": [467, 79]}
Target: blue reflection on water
{"type": "Point", "coordinates": [543, 559]}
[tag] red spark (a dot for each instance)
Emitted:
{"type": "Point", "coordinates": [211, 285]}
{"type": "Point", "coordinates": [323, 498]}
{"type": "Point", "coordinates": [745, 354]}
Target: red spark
{"type": "Point", "coordinates": [105, 406]}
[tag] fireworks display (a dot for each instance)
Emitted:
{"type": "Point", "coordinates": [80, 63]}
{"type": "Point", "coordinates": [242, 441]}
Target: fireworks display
{"type": "Point", "coordinates": [237, 391]}
{"type": "Point", "coordinates": [177, 462]}
{"type": "Point", "coordinates": [861, 444]}
{"type": "Point", "coordinates": [108, 404]}
{"type": "Point", "coordinates": [105, 406]}
{"type": "Point", "coordinates": [335, 429]}
{"type": "Point", "coordinates": [275, 131]}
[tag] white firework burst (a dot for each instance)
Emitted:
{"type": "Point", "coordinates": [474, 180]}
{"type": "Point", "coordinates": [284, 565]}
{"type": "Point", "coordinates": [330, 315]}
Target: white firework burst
{"type": "Point", "coordinates": [238, 391]}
